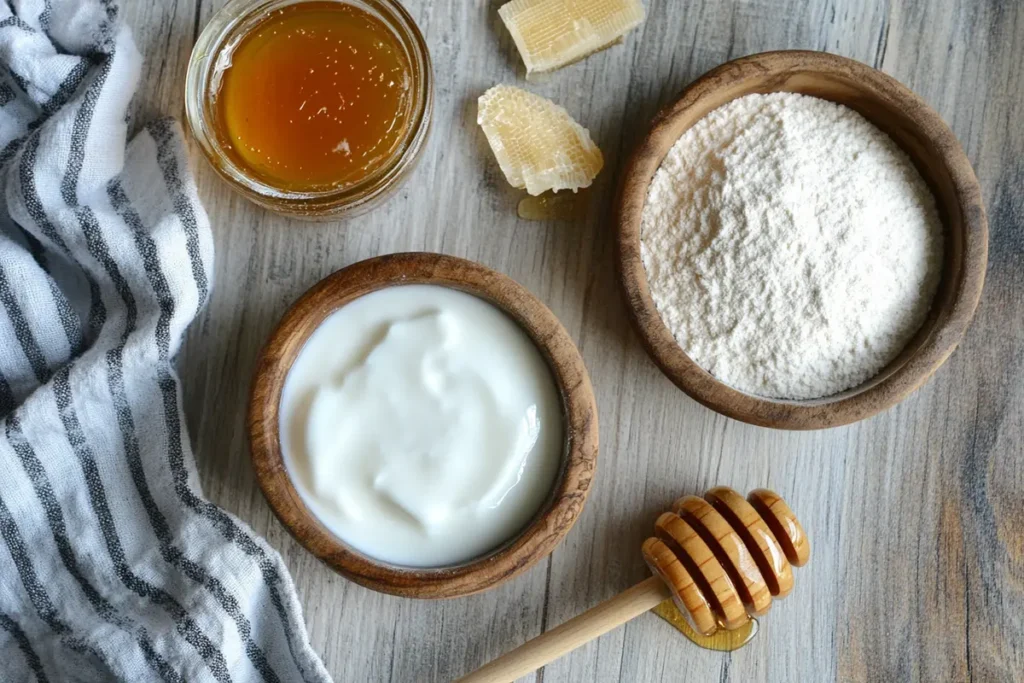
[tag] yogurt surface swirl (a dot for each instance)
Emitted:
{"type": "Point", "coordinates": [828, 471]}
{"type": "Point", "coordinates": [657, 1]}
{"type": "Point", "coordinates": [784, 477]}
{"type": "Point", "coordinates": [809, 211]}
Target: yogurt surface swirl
{"type": "Point", "coordinates": [422, 426]}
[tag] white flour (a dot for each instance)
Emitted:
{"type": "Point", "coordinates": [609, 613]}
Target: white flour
{"type": "Point", "coordinates": [791, 247]}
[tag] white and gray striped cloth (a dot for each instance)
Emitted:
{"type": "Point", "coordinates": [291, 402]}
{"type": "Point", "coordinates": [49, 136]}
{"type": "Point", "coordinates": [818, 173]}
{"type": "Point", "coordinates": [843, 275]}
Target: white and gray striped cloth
{"type": "Point", "coordinates": [112, 565]}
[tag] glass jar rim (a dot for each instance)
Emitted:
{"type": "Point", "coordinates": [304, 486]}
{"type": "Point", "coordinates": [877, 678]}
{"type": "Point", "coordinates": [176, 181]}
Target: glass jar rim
{"type": "Point", "coordinates": [223, 32]}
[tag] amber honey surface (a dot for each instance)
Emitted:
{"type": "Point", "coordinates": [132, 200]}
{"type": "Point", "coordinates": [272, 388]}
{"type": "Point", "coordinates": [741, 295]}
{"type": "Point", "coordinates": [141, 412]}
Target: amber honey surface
{"type": "Point", "coordinates": [316, 97]}
{"type": "Point", "coordinates": [722, 640]}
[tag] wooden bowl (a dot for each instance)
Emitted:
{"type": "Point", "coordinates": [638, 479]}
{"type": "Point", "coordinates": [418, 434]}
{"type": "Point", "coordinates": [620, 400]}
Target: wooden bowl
{"type": "Point", "coordinates": [557, 514]}
{"type": "Point", "coordinates": [918, 130]}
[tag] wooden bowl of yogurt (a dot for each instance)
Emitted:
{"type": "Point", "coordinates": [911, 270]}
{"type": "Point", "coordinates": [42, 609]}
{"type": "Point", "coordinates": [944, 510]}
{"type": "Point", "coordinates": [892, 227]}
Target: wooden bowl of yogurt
{"type": "Point", "coordinates": [423, 425]}
{"type": "Point", "coordinates": [792, 263]}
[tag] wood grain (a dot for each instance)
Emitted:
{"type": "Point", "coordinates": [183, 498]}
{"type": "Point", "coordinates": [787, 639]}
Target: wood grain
{"type": "Point", "coordinates": [929, 143]}
{"type": "Point", "coordinates": [916, 513]}
{"type": "Point", "coordinates": [579, 459]}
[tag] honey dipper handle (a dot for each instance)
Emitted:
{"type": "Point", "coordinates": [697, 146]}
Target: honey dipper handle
{"type": "Point", "coordinates": [578, 631]}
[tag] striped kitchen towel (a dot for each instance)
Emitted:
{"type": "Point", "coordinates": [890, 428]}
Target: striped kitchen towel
{"type": "Point", "coordinates": [112, 565]}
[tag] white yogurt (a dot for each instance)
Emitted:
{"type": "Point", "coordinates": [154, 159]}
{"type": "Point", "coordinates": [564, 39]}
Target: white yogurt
{"type": "Point", "coordinates": [421, 425]}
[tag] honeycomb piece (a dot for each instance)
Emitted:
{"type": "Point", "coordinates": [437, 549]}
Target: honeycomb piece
{"type": "Point", "coordinates": [553, 33]}
{"type": "Point", "coordinates": [538, 145]}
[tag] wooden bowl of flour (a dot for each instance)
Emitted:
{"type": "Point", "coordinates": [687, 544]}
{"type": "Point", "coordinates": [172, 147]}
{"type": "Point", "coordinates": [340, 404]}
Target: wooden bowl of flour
{"type": "Point", "coordinates": [935, 152]}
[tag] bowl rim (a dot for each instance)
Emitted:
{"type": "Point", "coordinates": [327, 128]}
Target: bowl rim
{"type": "Point", "coordinates": [846, 407]}
{"type": "Point", "coordinates": [551, 522]}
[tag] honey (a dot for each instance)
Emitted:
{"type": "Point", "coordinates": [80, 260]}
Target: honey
{"type": "Point", "coordinates": [721, 640]}
{"type": "Point", "coordinates": [554, 206]}
{"type": "Point", "coordinates": [316, 97]}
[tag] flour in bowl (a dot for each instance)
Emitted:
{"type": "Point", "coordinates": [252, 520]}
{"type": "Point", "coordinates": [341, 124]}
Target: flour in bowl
{"type": "Point", "coordinates": [790, 246]}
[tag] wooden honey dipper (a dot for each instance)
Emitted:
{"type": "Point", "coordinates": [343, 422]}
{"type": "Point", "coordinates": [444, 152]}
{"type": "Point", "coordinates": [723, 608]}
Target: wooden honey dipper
{"type": "Point", "coordinates": [721, 558]}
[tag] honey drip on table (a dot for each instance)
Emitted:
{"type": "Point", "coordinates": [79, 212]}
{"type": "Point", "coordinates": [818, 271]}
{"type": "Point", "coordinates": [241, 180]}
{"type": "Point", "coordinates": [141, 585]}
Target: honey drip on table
{"type": "Point", "coordinates": [554, 206]}
{"type": "Point", "coordinates": [315, 97]}
{"type": "Point", "coordinates": [720, 641]}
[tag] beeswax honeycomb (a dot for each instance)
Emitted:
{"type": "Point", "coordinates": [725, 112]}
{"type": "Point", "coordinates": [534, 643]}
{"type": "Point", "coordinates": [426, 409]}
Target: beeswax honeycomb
{"type": "Point", "coordinates": [553, 33]}
{"type": "Point", "coordinates": [538, 145]}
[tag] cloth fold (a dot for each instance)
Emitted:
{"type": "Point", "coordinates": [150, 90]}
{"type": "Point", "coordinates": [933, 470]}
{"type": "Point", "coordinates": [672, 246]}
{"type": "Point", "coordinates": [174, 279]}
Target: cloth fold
{"type": "Point", "coordinates": [112, 564]}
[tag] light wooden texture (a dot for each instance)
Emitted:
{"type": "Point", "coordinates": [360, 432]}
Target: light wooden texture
{"type": "Point", "coordinates": [720, 559]}
{"type": "Point", "coordinates": [578, 631]}
{"type": "Point", "coordinates": [744, 574]}
{"type": "Point", "coordinates": [551, 523]}
{"type": "Point", "coordinates": [916, 514]}
{"type": "Point", "coordinates": [917, 129]}
{"type": "Point", "coordinates": [784, 525]}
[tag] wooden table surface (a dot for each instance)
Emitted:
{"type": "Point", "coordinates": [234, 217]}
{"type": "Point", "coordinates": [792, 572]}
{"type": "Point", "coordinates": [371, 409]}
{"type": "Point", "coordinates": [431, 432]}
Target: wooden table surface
{"type": "Point", "coordinates": [916, 516]}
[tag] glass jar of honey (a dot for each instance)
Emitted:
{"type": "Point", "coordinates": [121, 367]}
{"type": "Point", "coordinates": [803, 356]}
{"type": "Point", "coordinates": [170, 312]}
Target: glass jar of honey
{"type": "Point", "coordinates": [312, 108]}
